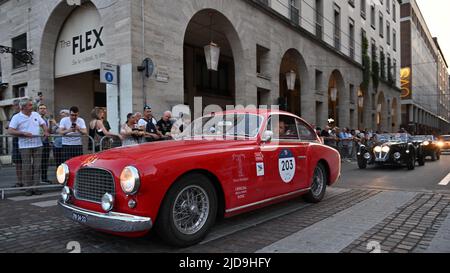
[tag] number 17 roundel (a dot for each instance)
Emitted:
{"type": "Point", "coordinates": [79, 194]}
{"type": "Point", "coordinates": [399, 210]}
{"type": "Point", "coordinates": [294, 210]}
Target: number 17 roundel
{"type": "Point", "coordinates": [286, 166]}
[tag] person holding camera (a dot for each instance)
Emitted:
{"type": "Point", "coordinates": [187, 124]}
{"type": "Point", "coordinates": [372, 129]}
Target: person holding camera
{"type": "Point", "coordinates": [130, 132]}
{"type": "Point", "coordinates": [72, 128]}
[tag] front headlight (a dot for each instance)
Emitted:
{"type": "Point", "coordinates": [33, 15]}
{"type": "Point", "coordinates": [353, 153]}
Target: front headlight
{"type": "Point", "coordinates": [426, 143]}
{"type": "Point", "coordinates": [62, 173]}
{"type": "Point", "coordinates": [377, 149]}
{"type": "Point", "coordinates": [385, 149]}
{"type": "Point", "coordinates": [130, 180]}
{"type": "Point", "coordinates": [440, 144]}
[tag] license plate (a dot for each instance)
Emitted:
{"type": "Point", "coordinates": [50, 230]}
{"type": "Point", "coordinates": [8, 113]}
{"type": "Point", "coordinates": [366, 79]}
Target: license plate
{"type": "Point", "coordinates": [79, 218]}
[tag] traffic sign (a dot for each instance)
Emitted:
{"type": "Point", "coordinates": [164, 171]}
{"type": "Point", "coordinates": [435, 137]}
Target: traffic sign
{"type": "Point", "coordinates": [109, 74]}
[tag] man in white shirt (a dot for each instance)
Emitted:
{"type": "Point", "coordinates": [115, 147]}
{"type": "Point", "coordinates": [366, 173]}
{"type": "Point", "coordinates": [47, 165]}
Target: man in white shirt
{"type": "Point", "coordinates": [26, 126]}
{"type": "Point", "coordinates": [72, 128]}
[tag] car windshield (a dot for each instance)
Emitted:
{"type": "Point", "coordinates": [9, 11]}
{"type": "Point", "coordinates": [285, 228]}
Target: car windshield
{"type": "Point", "coordinates": [229, 125]}
{"type": "Point", "coordinates": [423, 138]}
{"type": "Point", "coordinates": [392, 137]}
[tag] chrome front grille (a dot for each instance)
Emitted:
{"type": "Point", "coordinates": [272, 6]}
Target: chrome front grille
{"type": "Point", "coordinates": [91, 184]}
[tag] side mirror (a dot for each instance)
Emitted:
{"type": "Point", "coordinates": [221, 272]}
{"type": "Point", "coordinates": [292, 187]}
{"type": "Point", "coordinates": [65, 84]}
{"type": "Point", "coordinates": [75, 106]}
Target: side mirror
{"type": "Point", "coordinates": [267, 136]}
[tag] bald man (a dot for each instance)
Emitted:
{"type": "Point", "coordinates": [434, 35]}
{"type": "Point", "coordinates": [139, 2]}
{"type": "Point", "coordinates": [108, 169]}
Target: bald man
{"type": "Point", "coordinates": [165, 124]}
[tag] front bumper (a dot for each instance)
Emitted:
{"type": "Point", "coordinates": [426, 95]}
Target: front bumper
{"type": "Point", "coordinates": [112, 222]}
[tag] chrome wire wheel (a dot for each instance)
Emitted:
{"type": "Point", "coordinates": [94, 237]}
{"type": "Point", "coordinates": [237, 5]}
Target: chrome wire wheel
{"type": "Point", "coordinates": [318, 182]}
{"type": "Point", "coordinates": [191, 210]}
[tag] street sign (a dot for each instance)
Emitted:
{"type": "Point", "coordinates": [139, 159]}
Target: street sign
{"type": "Point", "coordinates": [109, 74]}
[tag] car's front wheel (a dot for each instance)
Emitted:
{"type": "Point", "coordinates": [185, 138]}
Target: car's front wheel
{"type": "Point", "coordinates": [188, 211]}
{"type": "Point", "coordinates": [421, 160]}
{"type": "Point", "coordinates": [362, 163]}
{"type": "Point", "coordinates": [412, 163]}
{"type": "Point", "coordinates": [318, 186]}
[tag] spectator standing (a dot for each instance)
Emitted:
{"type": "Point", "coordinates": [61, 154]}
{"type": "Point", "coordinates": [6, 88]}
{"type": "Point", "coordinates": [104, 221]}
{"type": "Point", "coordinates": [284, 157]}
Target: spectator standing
{"type": "Point", "coordinates": [329, 137]}
{"type": "Point", "coordinates": [46, 144]}
{"type": "Point", "coordinates": [105, 120]}
{"type": "Point", "coordinates": [165, 125]}
{"type": "Point", "coordinates": [146, 118]}
{"type": "Point", "coordinates": [57, 144]}
{"type": "Point", "coordinates": [97, 130]}
{"type": "Point", "coordinates": [129, 132]}
{"type": "Point", "coordinates": [38, 101]}
{"type": "Point", "coordinates": [16, 158]}
{"type": "Point", "coordinates": [148, 124]}
{"type": "Point", "coordinates": [346, 144]}
{"type": "Point", "coordinates": [72, 128]}
{"type": "Point", "coordinates": [26, 125]}
{"type": "Point", "coordinates": [137, 117]}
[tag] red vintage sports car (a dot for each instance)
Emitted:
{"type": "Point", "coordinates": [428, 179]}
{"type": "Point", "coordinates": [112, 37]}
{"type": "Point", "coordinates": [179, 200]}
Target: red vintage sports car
{"type": "Point", "coordinates": [222, 165]}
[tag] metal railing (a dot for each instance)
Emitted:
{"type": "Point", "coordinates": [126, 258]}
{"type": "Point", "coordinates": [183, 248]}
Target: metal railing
{"type": "Point", "coordinates": [35, 169]}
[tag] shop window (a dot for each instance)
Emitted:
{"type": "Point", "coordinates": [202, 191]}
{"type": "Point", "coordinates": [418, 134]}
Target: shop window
{"type": "Point", "coordinates": [20, 91]}
{"type": "Point", "coordinates": [19, 43]}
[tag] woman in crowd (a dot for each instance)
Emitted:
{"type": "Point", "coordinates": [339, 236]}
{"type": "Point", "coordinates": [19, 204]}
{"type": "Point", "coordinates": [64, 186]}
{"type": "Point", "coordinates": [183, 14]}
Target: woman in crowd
{"type": "Point", "coordinates": [130, 133]}
{"type": "Point", "coordinates": [97, 130]}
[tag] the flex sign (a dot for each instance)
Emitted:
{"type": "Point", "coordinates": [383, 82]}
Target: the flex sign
{"type": "Point", "coordinates": [80, 46]}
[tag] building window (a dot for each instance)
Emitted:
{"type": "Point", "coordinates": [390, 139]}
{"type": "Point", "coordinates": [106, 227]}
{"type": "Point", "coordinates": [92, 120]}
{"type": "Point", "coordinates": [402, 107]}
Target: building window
{"type": "Point", "coordinates": [351, 3]}
{"type": "Point", "coordinates": [388, 6]}
{"type": "Point", "coordinates": [372, 16]}
{"type": "Point", "coordinates": [352, 94]}
{"type": "Point", "coordinates": [381, 25]}
{"type": "Point", "coordinates": [352, 38]}
{"type": "Point", "coordinates": [363, 9]}
{"type": "Point", "coordinates": [374, 47]}
{"type": "Point", "coordinates": [337, 27]}
{"type": "Point", "coordinates": [19, 43]}
{"type": "Point", "coordinates": [294, 11]}
{"type": "Point", "coordinates": [20, 91]}
{"type": "Point", "coordinates": [262, 61]}
{"type": "Point", "coordinates": [319, 19]}
{"type": "Point", "coordinates": [394, 40]}
{"type": "Point", "coordinates": [394, 70]}
{"type": "Point", "coordinates": [319, 79]}
{"type": "Point", "coordinates": [388, 32]}
{"type": "Point", "coordinates": [394, 11]}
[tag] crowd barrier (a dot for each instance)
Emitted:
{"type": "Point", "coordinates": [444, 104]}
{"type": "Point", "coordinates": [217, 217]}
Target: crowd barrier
{"type": "Point", "coordinates": [22, 170]}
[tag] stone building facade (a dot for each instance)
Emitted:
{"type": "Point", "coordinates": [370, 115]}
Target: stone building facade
{"type": "Point", "coordinates": [424, 71]}
{"type": "Point", "coordinates": [259, 46]}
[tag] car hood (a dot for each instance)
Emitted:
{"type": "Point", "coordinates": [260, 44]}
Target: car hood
{"type": "Point", "coordinates": [157, 152]}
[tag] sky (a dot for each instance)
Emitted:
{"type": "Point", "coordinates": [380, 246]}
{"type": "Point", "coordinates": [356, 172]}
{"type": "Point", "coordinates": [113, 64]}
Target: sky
{"type": "Point", "coordinates": [437, 16]}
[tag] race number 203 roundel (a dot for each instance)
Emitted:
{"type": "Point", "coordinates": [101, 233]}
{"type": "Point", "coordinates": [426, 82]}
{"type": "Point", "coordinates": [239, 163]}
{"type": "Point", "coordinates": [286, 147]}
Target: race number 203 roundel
{"type": "Point", "coordinates": [286, 166]}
